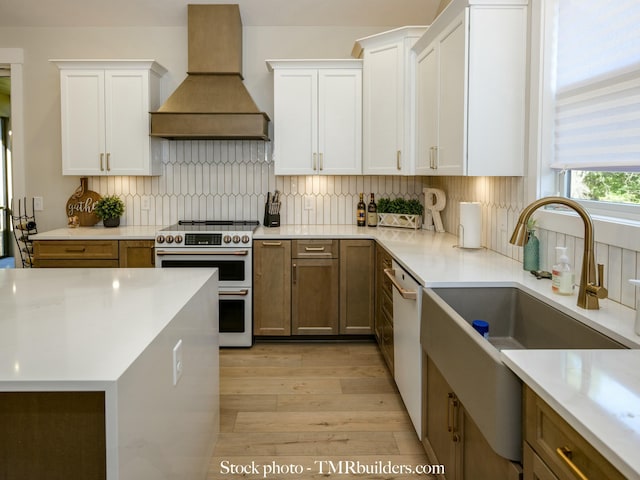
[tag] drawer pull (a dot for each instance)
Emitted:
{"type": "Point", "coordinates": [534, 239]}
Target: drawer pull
{"type": "Point", "coordinates": [314, 249]}
{"type": "Point", "coordinates": [271, 244]}
{"type": "Point", "coordinates": [244, 292]}
{"type": "Point", "coordinates": [406, 294]}
{"type": "Point", "coordinates": [565, 454]}
{"type": "Point", "coordinates": [75, 250]}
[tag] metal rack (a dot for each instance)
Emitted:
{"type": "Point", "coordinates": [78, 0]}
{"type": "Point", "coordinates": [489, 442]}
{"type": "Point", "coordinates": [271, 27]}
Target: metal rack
{"type": "Point", "coordinates": [24, 225]}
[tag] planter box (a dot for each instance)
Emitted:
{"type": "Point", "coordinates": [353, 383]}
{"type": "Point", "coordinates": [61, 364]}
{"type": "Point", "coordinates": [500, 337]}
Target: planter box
{"type": "Point", "coordinates": [399, 220]}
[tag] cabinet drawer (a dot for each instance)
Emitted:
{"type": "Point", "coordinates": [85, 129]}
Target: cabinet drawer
{"type": "Point", "coordinates": [315, 249]}
{"type": "Point", "coordinates": [559, 445]}
{"type": "Point", "coordinates": [66, 249]}
{"type": "Point", "coordinates": [75, 263]}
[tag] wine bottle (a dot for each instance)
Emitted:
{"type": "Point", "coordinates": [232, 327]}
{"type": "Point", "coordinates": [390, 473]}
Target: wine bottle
{"type": "Point", "coordinates": [372, 213]}
{"type": "Point", "coordinates": [361, 219]}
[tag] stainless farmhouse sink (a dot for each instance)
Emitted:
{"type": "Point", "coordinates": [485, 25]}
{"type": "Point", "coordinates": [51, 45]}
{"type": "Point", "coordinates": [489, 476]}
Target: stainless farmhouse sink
{"type": "Point", "coordinates": [471, 364]}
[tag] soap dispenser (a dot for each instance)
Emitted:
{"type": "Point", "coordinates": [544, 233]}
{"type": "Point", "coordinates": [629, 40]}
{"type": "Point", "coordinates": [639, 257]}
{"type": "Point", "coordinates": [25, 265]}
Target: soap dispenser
{"type": "Point", "coordinates": [637, 324]}
{"type": "Point", "coordinates": [561, 274]}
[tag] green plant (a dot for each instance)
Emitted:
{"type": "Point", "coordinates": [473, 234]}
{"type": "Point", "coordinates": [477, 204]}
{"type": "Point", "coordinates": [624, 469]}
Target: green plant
{"type": "Point", "coordinates": [531, 225]}
{"type": "Point", "coordinates": [109, 207]}
{"type": "Point", "coordinates": [400, 205]}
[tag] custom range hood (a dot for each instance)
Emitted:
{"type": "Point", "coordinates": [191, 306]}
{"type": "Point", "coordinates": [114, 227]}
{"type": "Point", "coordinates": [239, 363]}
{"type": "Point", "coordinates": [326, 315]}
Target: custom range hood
{"type": "Point", "coordinates": [212, 102]}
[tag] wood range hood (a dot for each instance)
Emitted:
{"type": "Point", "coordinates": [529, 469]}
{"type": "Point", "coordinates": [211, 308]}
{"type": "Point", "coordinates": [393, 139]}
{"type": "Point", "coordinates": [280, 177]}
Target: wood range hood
{"type": "Point", "coordinates": [212, 102]}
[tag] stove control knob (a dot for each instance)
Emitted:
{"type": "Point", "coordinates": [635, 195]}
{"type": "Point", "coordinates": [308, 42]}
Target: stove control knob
{"type": "Point", "coordinates": [245, 239]}
{"type": "Point", "coordinates": [178, 239]}
{"type": "Point", "coordinates": [236, 239]}
{"type": "Point", "coordinates": [227, 239]}
{"type": "Point", "coordinates": [169, 238]}
{"type": "Point", "coordinates": [160, 239]}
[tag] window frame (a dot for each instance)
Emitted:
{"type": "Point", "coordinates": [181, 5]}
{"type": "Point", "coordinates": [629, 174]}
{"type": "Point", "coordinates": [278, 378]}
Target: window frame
{"type": "Point", "coordinates": [616, 224]}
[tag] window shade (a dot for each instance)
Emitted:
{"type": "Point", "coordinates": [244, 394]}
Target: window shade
{"type": "Point", "coordinates": [597, 104]}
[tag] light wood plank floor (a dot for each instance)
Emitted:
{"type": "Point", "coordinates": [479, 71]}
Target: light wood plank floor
{"type": "Point", "coordinates": [308, 404]}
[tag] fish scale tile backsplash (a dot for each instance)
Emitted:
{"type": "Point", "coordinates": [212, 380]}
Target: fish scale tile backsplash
{"type": "Point", "coordinates": [230, 180]}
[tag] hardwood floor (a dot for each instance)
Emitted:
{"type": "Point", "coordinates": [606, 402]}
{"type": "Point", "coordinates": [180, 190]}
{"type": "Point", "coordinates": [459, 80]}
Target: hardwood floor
{"type": "Point", "coordinates": [315, 408]}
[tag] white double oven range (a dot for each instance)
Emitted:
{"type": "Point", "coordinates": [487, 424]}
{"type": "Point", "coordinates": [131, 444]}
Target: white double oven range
{"type": "Point", "coordinates": [227, 246]}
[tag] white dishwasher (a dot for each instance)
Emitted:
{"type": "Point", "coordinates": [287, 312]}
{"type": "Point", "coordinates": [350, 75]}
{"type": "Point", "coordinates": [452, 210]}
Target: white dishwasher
{"type": "Point", "coordinates": [407, 302]}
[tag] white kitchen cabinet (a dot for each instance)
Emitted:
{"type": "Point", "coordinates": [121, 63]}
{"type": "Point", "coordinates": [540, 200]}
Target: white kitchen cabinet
{"type": "Point", "coordinates": [471, 76]}
{"type": "Point", "coordinates": [317, 117]}
{"type": "Point", "coordinates": [388, 101]}
{"type": "Point", "coordinates": [105, 109]}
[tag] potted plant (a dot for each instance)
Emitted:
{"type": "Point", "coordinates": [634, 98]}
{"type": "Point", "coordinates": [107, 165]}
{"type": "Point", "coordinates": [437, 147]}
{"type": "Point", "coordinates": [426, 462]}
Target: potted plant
{"type": "Point", "coordinates": [400, 213]}
{"type": "Point", "coordinates": [109, 209]}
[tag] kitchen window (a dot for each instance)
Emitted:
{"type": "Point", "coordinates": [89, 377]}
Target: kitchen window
{"type": "Point", "coordinates": [590, 109]}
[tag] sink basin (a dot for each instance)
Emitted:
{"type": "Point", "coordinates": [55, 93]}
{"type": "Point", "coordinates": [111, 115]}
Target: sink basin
{"type": "Point", "coordinates": [471, 364]}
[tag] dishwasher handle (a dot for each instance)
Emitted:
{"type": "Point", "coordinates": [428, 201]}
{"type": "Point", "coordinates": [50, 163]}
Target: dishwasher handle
{"type": "Point", "coordinates": [406, 294]}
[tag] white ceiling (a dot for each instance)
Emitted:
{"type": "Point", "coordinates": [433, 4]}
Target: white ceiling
{"type": "Point", "coordinates": [70, 13]}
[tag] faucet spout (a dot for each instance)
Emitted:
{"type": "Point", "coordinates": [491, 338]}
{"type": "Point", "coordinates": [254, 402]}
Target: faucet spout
{"type": "Point", "coordinates": [591, 288]}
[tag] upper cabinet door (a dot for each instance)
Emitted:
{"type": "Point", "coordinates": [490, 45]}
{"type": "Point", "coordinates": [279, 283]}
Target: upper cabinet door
{"type": "Point", "coordinates": [82, 103]}
{"type": "Point", "coordinates": [471, 81]}
{"type": "Point", "coordinates": [389, 101]}
{"type": "Point", "coordinates": [317, 117]}
{"type": "Point", "coordinates": [295, 143]}
{"type": "Point", "coordinates": [105, 109]}
{"type": "Point", "coordinates": [127, 121]}
{"type": "Point", "coordinates": [340, 122]}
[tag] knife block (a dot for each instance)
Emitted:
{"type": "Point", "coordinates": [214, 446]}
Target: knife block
{"type": "Point", "coordinates": [271, 219]}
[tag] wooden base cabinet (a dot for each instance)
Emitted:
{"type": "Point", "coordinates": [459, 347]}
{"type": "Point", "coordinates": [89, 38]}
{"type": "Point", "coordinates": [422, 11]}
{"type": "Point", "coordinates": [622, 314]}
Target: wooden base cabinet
{"type": "Point", "coordinates": [94, 253]}
{"type": "Point", "coordinates": [357, 274]}
{"type": "Point", "coordinates": [315, 287]}
{"type": "Point", "coordinates": [554, 450]}
{"type": "Point", "coordinates": [453, 439]}
{"type": "Point", "coordinates": [383, 321]}
{"type": "Point", "coordinates": [272, 287]}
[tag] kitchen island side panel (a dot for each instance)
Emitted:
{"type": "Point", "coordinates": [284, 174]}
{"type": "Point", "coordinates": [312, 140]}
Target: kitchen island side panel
{"type": "Point", "coordinates": [166, 431]}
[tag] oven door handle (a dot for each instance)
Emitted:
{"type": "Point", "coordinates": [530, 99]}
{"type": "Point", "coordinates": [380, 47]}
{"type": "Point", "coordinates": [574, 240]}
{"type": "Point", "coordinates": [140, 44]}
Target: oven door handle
{"type": "Point", "coordinates": [239, 253]}
{"type": "Point", "coordinates": [243, 293]}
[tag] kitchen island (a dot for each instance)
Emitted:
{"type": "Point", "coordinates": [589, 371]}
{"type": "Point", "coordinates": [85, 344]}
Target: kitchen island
{"type": "Point", "coordinates": [87, 381]}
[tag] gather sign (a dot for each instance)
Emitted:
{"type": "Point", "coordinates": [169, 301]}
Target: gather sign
{"type": "Point", "coordinates": [82, 204]}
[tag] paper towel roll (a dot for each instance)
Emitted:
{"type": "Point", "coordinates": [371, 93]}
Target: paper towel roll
{"type": "Point", "coordinates": [470, 227]}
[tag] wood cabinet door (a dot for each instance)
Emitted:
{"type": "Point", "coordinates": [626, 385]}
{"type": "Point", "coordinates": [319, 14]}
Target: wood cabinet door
{"type": "Point", "coordinates": [314, 302]}
{"type": "Point", "coordinates": [357, 280]}
{"type": "Point", "coordinates": [440, 419]}
{"type": "Point", "coordinates": [137, 254]}
{"type": "Point", "coordinates": [272, 287]}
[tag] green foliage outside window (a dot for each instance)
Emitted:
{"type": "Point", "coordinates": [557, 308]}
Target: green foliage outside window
{"type": "Point", "coordinates": [616, 187]}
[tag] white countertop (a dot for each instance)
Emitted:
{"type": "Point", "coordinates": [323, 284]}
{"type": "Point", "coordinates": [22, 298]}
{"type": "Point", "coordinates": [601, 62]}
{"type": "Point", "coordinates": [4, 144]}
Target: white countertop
{"type": "Point", "coordinates": [98, 232]}
{"type": "Point", "coordinates": [596, 391]}
{"type": "Point", "coordinates": [63, 327]}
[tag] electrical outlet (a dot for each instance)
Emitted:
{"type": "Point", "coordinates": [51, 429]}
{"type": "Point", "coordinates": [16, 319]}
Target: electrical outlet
{"type": "Point", "coordinates": [177, 362]}
{"type": "Point", "coordinates": [145, 203]}
{"type": "Point", "coordinates": [38, 204]}
{"type": "Point", "coordinates": [308, 202]}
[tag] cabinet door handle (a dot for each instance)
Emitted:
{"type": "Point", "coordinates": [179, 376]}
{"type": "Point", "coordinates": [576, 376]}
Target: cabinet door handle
{"type": "Point", "coordinates": [322, 161]}
{"type": "Point", "coordinates": [436, 157]}
{"type": "Point", "coordinates": [271, 244]}
{"type": "Point", "coordinates": [398, 160]}
{"type": "Point", "coordinates": [75, 250]}
{"type": "Point", "coordinates": [449, 407]}
{"type": "Point", "coordinates": [431, 158]}
{"type": "Point", "coordinates": [406, 294]}
{"type": "Point", "coordinates": [240, 293]}
{"type": "Point", "coordinates": [294, 275]}
{"type": "Point", "coordinates": [314, 249]}
{"type": "Point", "coordinates": [315, 161]}
{"type": "Point", "coordinates": [102, 162]}
{"type": "Point", "coordinates": [108, 162]}
{"type": "Point", "coordinates": [565, 454]}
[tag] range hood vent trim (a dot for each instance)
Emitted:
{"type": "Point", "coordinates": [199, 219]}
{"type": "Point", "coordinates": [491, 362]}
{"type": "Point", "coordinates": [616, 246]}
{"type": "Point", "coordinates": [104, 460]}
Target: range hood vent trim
{"type": "Point", "coordinates": [212, 103]}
